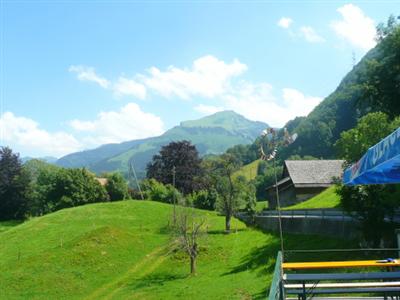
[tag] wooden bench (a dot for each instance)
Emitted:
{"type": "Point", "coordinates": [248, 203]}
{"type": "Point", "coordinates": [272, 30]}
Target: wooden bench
{"type": "Point", "coordinates": [339, 264]}
{"type": "Point", "coordinates": [310, 284]}
{"type": "Point", "coordinates": [392, 291]}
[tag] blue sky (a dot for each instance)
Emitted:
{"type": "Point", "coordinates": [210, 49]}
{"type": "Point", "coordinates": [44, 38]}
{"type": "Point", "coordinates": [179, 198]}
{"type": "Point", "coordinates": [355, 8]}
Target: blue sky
{"type": "Point", "coordinates": [76, 75]}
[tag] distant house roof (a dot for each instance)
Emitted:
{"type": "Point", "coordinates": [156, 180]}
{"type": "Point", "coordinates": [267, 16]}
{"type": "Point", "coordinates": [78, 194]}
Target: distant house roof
{"type": "Point", "coordinates": [310, 173]}
{"type": "Point", "coordinates": [313, 172]}
{"type": "Point", "coordinates": [102, 181]}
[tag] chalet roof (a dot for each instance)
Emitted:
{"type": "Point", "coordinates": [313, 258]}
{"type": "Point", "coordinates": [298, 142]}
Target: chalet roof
{"type": "Point", "coordinates": [102, 181]}
{"type": "Point", "coordinates": [314, 172]}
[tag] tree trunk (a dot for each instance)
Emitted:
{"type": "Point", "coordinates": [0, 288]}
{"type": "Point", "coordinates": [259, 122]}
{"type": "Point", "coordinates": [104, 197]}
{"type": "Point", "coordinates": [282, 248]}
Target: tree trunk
{"type": "Point", "coordinates": [228, 223]}
{"type": "Point", "coordinates": [192, 265]}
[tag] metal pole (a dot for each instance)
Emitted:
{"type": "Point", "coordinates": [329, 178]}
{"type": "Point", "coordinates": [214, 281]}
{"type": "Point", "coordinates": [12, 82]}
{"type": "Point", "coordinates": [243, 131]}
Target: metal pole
{"type": "Point", "coordinates": [279, 208]}
{"type": "Point", "coordinates": [137, 182]}
{"type": "Point", "coordinates": [173, 199]}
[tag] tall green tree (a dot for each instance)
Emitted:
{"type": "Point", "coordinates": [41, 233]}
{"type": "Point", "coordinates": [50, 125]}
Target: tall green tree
{"type": "Point", "coordinates": [228, 189]}
{"type": "Point", "coordinates": [73, 187]}
{"type": "Point", "coordinates": [43, 177]}
{"type": "Point", "coordinates": [370, 130]}
{"type": "Point", "coordinates": [179, 162]}
{"type": "Point", "coordinates": [371, 202]}
{"type": "Point", "coordinates": [14, 186]}
{"type": "Point", "coordinates": [116, 187]}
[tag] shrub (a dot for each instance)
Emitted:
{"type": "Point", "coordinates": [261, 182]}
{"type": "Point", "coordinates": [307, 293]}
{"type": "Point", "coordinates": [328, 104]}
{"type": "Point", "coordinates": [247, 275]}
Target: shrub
{"type": "Point", "coordinates": [204, 199]}
{"type": "Point", "coordinates": [116, 187]}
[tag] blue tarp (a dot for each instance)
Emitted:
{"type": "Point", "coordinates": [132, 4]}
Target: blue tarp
{"type": "Point", "coordinates": [379, 165]}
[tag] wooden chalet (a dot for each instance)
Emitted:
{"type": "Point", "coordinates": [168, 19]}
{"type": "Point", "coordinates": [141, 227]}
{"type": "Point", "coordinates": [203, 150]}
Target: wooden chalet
{"type": "Point", "coordinates": [303, 179]}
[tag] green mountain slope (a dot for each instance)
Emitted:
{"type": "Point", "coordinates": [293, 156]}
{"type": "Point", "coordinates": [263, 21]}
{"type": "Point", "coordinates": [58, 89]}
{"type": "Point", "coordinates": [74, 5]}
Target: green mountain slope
{"type": "Point", "coordinates": [338, 112]}
{"type": "Point", "coordinates": [211, 135]}
{"type": "Point", "coordinates": [121, 250]}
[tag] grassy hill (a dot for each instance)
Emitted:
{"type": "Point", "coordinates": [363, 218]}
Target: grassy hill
{"type": "Point", "coordinates": [121, 250]}
{"type": "Point", "coordinates": [326, 199]}
{"type": "Point", "coordinates": [211, 135]}
{"type": "Point", "coordinates": [249, 171]}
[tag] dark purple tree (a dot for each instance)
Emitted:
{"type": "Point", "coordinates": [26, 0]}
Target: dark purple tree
{"type": "Point", "coordinates": [182, 157]}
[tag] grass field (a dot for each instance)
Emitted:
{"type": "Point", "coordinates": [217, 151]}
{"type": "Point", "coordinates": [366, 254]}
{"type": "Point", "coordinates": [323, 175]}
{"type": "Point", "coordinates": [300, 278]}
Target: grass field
{"type": "Point", "coordinates": [261, 205]}
{"type": "Point", "coordinates": [122, 250]}
{"type": "Point", "coordinates": [249, 171]}
{"type": "Point", "coordinates": [326, 199]}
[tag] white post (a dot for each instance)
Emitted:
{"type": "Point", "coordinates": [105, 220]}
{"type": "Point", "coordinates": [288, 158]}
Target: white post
{"type": "Point", "coordinates": [397, 231]}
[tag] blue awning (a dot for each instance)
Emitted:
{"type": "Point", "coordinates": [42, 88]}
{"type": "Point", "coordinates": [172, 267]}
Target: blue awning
{"type": "Point", "coordinates": [379, 165]}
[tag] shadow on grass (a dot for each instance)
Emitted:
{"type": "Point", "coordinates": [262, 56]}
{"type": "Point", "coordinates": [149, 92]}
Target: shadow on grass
{"type": "Point", "coordinates": [233, 231]}
{"type": "Point", "coordinates": [262, 258]}
{"type": "Point", "coordinates": [153, 280]}
{"type": "Point", "coordinates": [167, 229]}
{"type": "Point", "coordinates": [261, 295]}
{"type": "Point", "coordinates": [6, 225]}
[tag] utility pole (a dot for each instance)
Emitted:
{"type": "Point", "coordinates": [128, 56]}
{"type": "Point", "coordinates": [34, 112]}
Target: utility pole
{"type": "Point", "coordinates": [173, 199]}
{"type": "Point", "coordinates": [132, 169]}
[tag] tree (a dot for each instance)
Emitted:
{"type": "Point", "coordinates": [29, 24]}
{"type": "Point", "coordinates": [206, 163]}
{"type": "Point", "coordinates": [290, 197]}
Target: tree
{"type": "Point", "coordinates": [247, 192]}
{"type": "Point", "coordinates": [73, 187]}
{"type": "Point", "coordinates": [189, 228]}
{"type": "Point", "coordinates": [116, 187]}
{"type": "Point", "coordinates": [14, 186]}
{"type": "Point", "coordinates": [156, 191]}
{"type": "Point", "coordinates": [228, 189]}
{"type": "Point", "coordinates": [372, 202]}
{"type": "Point", "coordinates": [265, 179]}
{"type": "Point", "coordinates": [204, 199]}
{"type": "Point", "coordinates": [381, 85]}
{"type": "Point", "coordinates": [370, 130]}
{"type": "Point", "coordinates": [43, 176]}
{"type": "Point", "coordinates": [184, 157]}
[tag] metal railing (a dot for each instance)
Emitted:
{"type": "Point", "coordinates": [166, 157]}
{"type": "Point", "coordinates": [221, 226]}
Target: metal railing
{"type": "Point", "coordinates": [320, 213]}
{"type": "Point", "coordinates": [276, 291]}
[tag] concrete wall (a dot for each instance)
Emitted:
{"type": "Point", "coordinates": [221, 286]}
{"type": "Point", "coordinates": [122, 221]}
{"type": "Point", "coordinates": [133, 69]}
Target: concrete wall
{"type": "Point", "coordinates": [342, 228]}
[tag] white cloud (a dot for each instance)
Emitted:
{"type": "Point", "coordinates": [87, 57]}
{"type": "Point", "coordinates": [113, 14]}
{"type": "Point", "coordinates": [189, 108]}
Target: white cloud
{"type": "Point", "coordinates": [311, 35]}
{"type": "Point", "coordinates": [219, 81]}
{"type": "Point", "coordinates": [355, 27]}
{"type": "Point", "coordinates": [285, 22]}
{"type": "Point", "coordinates": [122, 87]}
{"type": "Point", "coordinates": [298, 103]}
{"type": "Point", "coordinates": [208, 77]}
{"type": "Point", "coordinates": [85, 73]}
{"type": "Point", "coordinates": [258, 102]}
{"type": "Point", "coordinates": [208, 109]}
{"type": "Point", "coordinates": [129, 123]}
{"type": "Point", "coordinates": [24, 135]}
{"type": "Point", "coordinates": [129, 87]}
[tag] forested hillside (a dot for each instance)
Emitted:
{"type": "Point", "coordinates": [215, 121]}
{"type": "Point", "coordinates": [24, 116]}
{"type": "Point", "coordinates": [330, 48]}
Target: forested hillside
{"type": "Point", "coordinates": [372, 85]}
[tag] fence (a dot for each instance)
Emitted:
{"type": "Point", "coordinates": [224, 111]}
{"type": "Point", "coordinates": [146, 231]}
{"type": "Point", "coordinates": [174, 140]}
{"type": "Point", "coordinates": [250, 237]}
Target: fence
{"type": "Point", "coordinates": [276, 291]}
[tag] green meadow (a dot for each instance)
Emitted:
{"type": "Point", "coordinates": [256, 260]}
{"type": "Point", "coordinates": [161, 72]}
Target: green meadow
{"type": "Point", "coordinates": [124, 250]}
{"type": "Point", "coordinates": [326, 199]}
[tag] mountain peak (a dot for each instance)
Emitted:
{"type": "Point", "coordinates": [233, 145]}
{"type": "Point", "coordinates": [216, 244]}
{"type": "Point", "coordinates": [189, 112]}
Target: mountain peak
{"type": "Point", "coordinates": [227, 119]}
